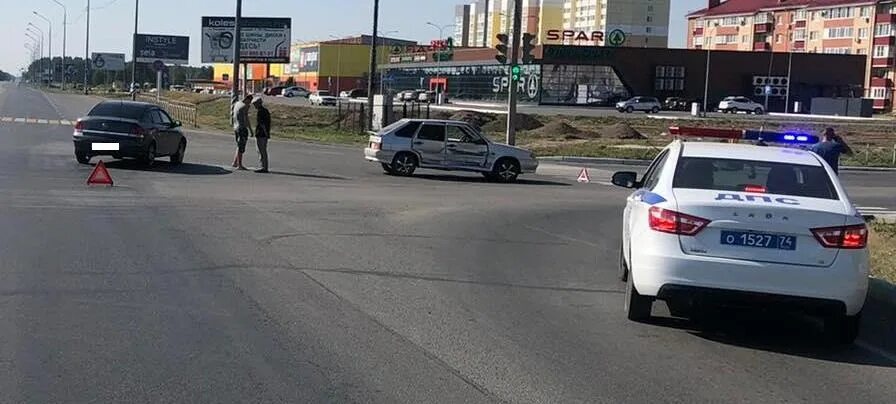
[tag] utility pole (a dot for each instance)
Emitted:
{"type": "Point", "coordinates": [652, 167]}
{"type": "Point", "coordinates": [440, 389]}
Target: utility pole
{"type": "Point", "coordinates": [87, 50]}
{"type": "Point", "coordinates": [706, 82]}
{"type": "Point", "coordinates": [485, 35]}
{"type": "Point", "coordinates": [134, 53]}
{"type": "Point", "coordinates": [40, 32]}
{"type": "Point", "coordinates": [49, 45]}
{"type": "Point", "coordinates": [237, 46]}
{"type": "Point", "coordinates": [787, 95]}
{"type": "Point", "coordinates": [513, 86]}
{"type": "Point", "coordinates": [372, 73]}
{"type": "Point", "coordinates": [771, 59]}
{"type": "Point", "coordinates": [64, 31]}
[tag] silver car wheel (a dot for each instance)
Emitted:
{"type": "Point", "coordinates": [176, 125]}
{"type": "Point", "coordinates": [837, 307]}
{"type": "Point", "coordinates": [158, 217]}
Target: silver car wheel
{"type": "Point", "coordinates": [507, 170]}
{"type": "Point", "coordinates": [404, 164]}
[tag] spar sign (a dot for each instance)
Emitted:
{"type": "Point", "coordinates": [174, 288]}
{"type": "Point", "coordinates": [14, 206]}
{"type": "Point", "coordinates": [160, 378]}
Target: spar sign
{"type": "Point", "coordinates": [264, 40]}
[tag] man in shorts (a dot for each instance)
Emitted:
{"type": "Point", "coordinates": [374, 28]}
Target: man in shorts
{"type": "Point", "coordinates": [241, 128]}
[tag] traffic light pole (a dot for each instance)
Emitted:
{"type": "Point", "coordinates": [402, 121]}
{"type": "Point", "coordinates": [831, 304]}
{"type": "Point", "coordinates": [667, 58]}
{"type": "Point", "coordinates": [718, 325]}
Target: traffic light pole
{"type": "Point", "coordinates": [513, 86]}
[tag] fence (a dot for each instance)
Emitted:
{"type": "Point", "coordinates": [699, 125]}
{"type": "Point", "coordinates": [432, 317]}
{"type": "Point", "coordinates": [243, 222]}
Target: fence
{"type": "Point", "coordinates": [872, 156]}
{"type": "Point", "coordinates": [185, 112]}
{"type": "Point", "coordinates": [352, 114]}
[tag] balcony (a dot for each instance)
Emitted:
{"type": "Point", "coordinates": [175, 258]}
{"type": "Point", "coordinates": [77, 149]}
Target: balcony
{"type": "Point", "coordinates": [881, 104]}
{"type": "Point", "coordinates": [698, 31]}
{"type": "Point", "coordinates": [884, 40]}
{"type": "Point", "coordinates": [882, 62]}
{"type": "Point", "coordinates": [881, 82]}
{"type": "Point", "coordinates": [885, 18]}
{"type": "Point", "coordinates": [799, 24]}
{"type": "Point", "coordinates": [799, 44]}
{"type": "Point", "coordinates": [762, 46]}
{"type": "Point", "coordinates": [762, 28]}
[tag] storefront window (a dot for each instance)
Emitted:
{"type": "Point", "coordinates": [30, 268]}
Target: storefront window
{"type": "Point", "coordinates": [475, 83]}
{"type": "Point", "coordinates": [581, 85]}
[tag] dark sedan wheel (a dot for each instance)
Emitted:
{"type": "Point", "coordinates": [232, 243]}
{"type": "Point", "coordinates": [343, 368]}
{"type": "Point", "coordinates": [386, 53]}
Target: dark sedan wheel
{"type": "Point", "coordinates": [178, 158]}
{"type": "Point", "coordinates": [149, 156]}
{"type": "Point", "coordinates": [82, 158]}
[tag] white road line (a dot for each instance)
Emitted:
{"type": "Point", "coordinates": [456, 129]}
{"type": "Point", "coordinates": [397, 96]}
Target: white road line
{"type": "Point", "coordinates": [54, 122]}
{"type": "Point", "coordinates": [65, 122]}
{"type": "Point", "coordinates": [20, 120]}
{"type": "Point", "coordinates": [6, 119]}
{"type": "Point", "coordinates": [870, 208]}
{"type": "Point", "coordinates": [44, 121]}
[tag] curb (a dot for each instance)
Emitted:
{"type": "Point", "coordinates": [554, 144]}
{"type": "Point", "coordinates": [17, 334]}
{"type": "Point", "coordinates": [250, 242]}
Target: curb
{"type": "Point", "coordinates": [635, 162]}
{"type": "Point", "coordinates": [882, 292]}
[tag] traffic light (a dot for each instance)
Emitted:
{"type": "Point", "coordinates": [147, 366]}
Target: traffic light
{"type": "Point", "coordinates": [515, 72]}
{"type": "Point", "coordinates": [528, 48]}
{"type": "Point", "coordinates": [503, 47]}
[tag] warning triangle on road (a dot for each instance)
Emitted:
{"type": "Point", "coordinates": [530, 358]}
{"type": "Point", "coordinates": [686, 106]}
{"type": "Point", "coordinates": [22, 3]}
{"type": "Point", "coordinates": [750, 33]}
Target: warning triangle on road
{"type": "Point", "coordinates": [584, 177]}
{"type": "Point", "coordinates": [100, 175]}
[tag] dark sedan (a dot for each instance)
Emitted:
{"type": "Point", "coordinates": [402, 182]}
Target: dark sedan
{"type": "Point", "coordinates": [129, 129]}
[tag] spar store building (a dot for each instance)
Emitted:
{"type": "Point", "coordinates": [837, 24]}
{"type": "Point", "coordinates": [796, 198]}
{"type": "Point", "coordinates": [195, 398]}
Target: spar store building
{"type": "Point", "coordinates": [585, 75]}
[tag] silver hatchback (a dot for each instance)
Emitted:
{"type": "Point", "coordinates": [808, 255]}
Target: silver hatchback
{"type": "Point", "coordinates": [409, 144]}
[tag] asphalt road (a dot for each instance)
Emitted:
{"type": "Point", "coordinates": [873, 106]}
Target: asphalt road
{"type": "Point", "coordinates": [328, 281]}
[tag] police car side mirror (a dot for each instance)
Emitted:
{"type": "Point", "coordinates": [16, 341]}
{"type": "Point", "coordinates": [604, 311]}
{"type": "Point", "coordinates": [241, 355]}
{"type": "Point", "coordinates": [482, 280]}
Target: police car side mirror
{"type": "Point", "coordinates": [625, 179]}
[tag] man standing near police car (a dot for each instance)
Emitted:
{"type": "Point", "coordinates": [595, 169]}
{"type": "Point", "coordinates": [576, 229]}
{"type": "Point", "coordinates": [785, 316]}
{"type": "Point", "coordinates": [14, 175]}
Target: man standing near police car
{"type": "Point", "coordinates": [830, 149]}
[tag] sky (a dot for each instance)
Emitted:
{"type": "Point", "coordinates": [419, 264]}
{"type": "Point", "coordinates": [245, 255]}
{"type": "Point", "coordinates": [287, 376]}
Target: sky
{"type": "Point", "coordinates": [112, 21]}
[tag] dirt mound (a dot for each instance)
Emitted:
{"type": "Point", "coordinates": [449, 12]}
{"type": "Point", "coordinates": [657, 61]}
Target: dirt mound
{"type": "Point", "coordinates": [474, 118]}
{"type": "Point", "coordinates": [560, 129]}
{"type": "Point", "coordinates": [522, 122]}
{"type": "Point", "coordinates": [621, 131]}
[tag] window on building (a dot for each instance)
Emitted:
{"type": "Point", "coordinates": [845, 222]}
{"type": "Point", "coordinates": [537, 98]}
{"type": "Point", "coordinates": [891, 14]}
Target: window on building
{"type": "Point", "coordinates": [778, 38]}
{"type": "Point", "coordinates": [669, 78]}
{"type": "Point", "coordinates": [838, 32]}
{"type": "Point", "coordinates": [878, 93]}
{"type": "Point", "coordinates": [885, 29]}
{"type": "Point", "coordinates": [882, 51]}
{"type": "Point", "coordinates": [800, 15]}
{"type": "Point", "coordinates": [799, 35]}
{"type": "Point", "coordinates": [836, 51]}
{"type": "Point", "coordinates": [862, 51]}
{"type": "Point", "coordinates": [838, 12]}
{"type": "Point", "coordinates": [730, 21]}
{"type": "Point", "coordinates": [813, 35]}
{"type": "Point", "coordinates": [865, 11]}
{"type": "Point", "coordinates": [743, 39]}
{"type": "Point", "coordinates": [762, 18]}
{"type": "Point", "coordinates": [863, 33]}
{"type": "Point", "coordinates": [699, 23]}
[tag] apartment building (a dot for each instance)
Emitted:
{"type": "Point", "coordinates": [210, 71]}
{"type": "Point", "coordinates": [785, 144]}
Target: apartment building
{"type": "Point", "coordinates": [856, 27]}
{"type": "Point", "coordinates": [645, 22]}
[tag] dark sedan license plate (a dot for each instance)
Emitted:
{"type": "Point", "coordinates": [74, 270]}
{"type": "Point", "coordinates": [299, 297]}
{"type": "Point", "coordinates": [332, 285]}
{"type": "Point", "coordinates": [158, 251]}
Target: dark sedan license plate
{"type": "Point", "coordinates": [759, 240]}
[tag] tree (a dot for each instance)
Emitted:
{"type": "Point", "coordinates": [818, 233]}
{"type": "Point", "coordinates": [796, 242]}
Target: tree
{"type": "Point", "coordinates": [4, 76]}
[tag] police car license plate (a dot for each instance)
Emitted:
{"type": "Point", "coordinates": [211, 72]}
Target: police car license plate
{"type": "Point", "coordinates": [758, 240]}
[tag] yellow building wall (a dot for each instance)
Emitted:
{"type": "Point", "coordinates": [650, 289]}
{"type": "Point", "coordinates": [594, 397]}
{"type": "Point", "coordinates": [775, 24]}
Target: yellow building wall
{"type": "Point", "coordinates": [551, 18]}
{"type": "Point", "coordinates": [349, 60]}
{"type": "Point", "coordinates": [256, 71]}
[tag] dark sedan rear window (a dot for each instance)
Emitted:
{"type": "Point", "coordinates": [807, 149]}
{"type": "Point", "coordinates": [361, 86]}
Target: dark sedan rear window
{"type": "Point", "coordinates": [118, 110]}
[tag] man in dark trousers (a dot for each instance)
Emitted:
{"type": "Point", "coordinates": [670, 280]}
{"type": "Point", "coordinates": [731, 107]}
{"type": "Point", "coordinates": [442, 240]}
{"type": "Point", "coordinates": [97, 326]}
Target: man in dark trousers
{"type": "Point", "coordinates": [831, 147]}
{"type": "Point", "coordinates": [262, 133]}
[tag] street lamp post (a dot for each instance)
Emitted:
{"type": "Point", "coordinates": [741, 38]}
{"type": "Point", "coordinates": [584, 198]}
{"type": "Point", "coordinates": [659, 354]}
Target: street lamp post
{"type": "Point", "coordinates": [49, 44]}
{"type": "Point", "coordinates": [439, 58]}
{"type": "Point", "coordinates": [134, 53]}
{"type": "Point", "coordinates": [64, 31]}
{"type": "Point", "coordinates": [87, 50]}
{"type": "Point", "coordinates": [372, 72]}
{"type": "Point", "coordinates": [237, 41]}
{"type": "Point", "coordinates": [41, 54]}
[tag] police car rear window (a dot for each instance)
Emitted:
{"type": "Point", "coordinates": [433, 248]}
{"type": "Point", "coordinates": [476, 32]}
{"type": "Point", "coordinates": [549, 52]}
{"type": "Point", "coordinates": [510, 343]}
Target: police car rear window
{"type": "Point", "coordinates": [754, 176]}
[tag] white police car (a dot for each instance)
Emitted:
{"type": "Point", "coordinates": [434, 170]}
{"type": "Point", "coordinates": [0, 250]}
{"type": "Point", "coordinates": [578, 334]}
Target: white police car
{"type": "Point", "coordinates": [716, 224]}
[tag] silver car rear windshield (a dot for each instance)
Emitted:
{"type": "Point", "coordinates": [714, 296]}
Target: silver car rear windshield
{"type": "Point", "coordinates": [754, 176]}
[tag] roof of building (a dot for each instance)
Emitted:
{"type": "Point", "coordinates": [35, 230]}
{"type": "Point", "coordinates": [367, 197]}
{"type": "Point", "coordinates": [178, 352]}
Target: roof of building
{"type": "Point", "coordinates": [739, 7]}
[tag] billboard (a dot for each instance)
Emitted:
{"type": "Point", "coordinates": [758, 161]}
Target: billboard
{"type": "Point", "coordinates": [107, 61]}
{"type": "Point", "coordinates": [264, 40]}
{"type": "Point", "coordinates": [172, 50]}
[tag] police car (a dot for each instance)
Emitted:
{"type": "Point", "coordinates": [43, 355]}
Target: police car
{"type": "Point", "coordinates": [714, 224]}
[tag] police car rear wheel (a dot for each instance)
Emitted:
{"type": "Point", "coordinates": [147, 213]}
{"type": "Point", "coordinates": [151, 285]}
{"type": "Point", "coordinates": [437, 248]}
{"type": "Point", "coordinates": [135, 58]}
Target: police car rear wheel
{"type": "Point", "coordinates": [637, 307]}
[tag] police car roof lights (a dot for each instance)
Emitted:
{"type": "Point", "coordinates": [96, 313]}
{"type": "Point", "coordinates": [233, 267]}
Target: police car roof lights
{"type": "Point", "coordinates": [795, 138]}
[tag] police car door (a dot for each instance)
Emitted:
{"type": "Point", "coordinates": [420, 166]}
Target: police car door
{"type": "Point", "coordinates": [639, 202]}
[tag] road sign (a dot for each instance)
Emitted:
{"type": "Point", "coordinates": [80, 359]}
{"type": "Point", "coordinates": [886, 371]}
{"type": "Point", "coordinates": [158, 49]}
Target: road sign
{"type": "Point", "coordinates": [100, 175]}
{"type": "Point", "coordinates": [616, 38]}
{"type": "Point", "coordinates": [264, 40]}
{"type": "Point", "coordinates": [107, 61]}
{"type": "Point", "coordinates": [768, 89]}
{"type": "Point", "coordinates": [174, 50]}
{"type": "Point", "coordinates": [584, 178]}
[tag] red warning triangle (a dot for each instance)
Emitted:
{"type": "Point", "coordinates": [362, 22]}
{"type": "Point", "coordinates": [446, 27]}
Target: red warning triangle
{"type": "Point", "coordinates": [584, 177]}
{"type": "Point", "coordinates": [99, 175]}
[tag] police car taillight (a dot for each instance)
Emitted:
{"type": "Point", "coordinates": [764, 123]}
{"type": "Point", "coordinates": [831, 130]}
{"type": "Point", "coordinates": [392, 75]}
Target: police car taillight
{"type": "Point", "coordinates": [847, 237]}
{"type": "Point", "coordinates": [672, 222]}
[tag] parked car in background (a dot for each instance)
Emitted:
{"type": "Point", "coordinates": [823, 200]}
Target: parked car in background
{"type": "Point", "coordinates": [322, 97]}
{"type": "Point", "coordinates": [356, 93]}
{"type": "Point", "coordinates": [410, 95]}
{"type": "Point", "coordinates": [128, 129]}
{"type": "Point", "coordinates": [409, 144]}
{"type": "Point", "coordinates": [296, 91]}
{"type": "Point", "coordinates": [737, 104]}
{"type": "Point", "coordinates": [605, 99]}
{"type": "Point", "coordinates": [645, 104]}
{"type": "Point", "coordinates": [426, 96]}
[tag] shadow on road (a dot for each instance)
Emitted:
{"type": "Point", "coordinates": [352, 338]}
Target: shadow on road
{"type": "Point", "coordinates": [167, 167]}
{"type": "Point", "coordinates": [480, 179]}
{"type": "Point", "coordinates": [788, 334]}
{"type": "Point", "coordinates": [302, 175]}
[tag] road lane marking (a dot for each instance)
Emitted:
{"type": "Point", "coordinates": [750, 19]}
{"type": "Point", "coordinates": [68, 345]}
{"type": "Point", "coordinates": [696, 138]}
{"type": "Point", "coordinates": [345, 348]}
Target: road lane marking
{"type": "Point", "coordinates": [20, 120]}
{"type": "Point", "coordinates": [53, 122]}
{"type": "Point", "coordinates": [6, 119]}
{"type": "Point", "coordinates": [869, 208]}
{"type": "Point", "coordinates": [65, 122]}
{"type": "Point", "coordinates": [39, 121]}
{"type": "Point", "coordinates": [30, 120]}
{"type": "Point", "coordinates": [43, 121]}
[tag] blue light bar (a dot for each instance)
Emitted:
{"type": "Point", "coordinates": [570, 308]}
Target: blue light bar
{"type": "Point", "coordinates": [779, 137]}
